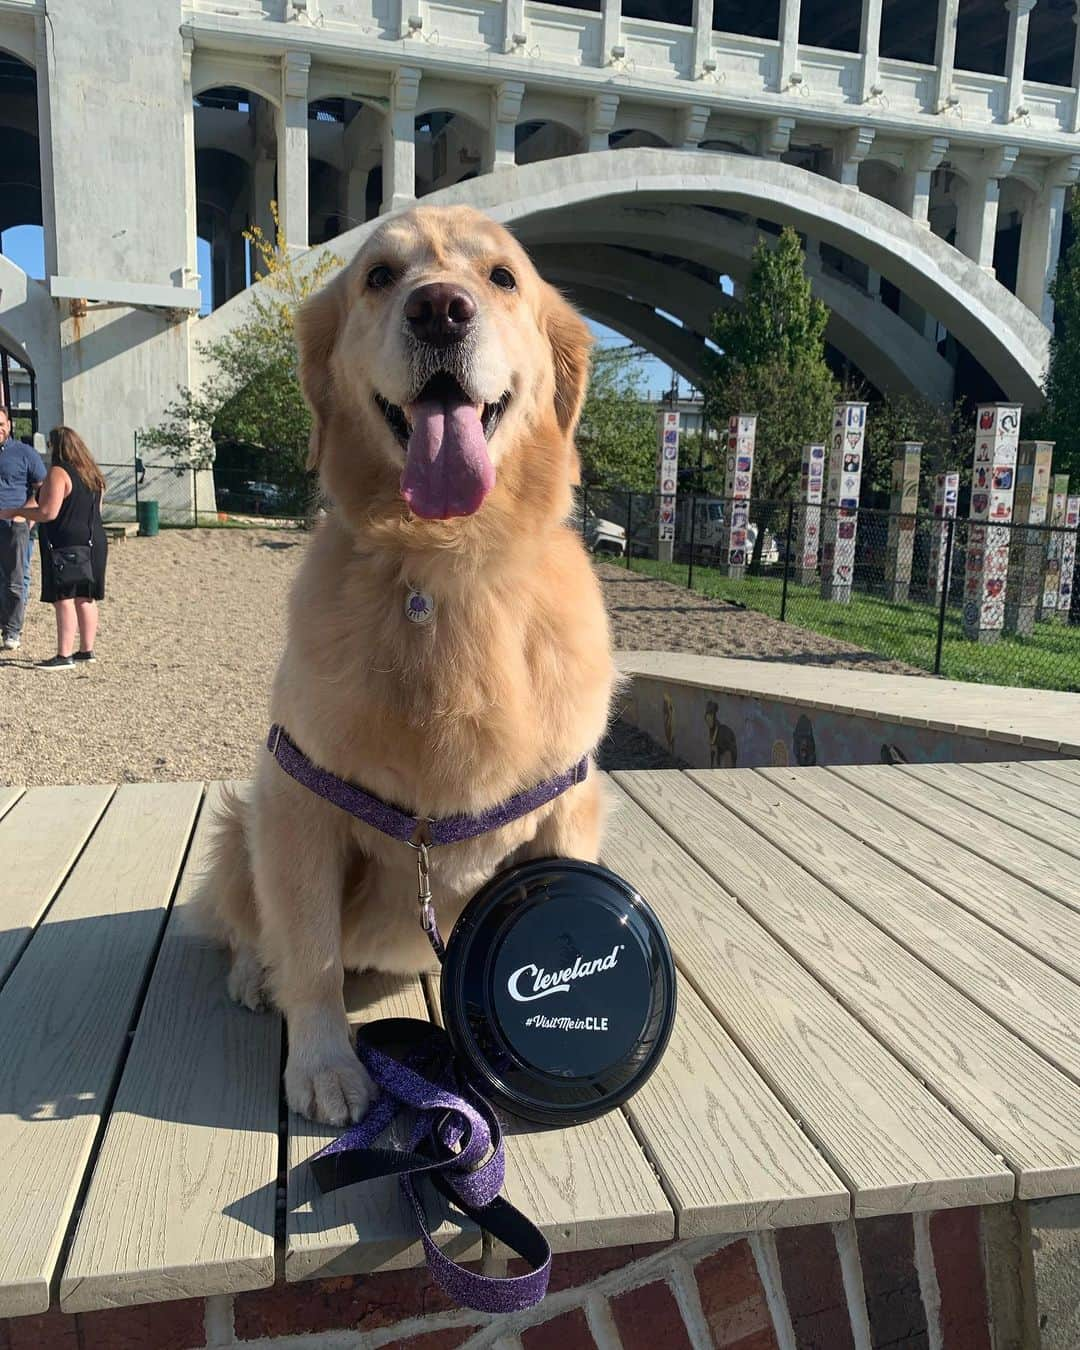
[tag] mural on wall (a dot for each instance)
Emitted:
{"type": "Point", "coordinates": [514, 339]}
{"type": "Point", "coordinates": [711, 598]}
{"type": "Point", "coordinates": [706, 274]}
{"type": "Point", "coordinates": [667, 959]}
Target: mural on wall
{"type": "Point", "coordinates": [716, 730]}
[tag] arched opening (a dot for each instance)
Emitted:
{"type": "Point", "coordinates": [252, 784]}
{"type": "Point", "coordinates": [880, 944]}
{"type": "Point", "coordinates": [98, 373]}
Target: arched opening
{"type": "Point", "coordinates": [1051, 37]}
{"type": "Point", "coordinates": [538, 140]}
{"type": "Point", "coordinates": [345, 138]}
{"type": "Point", "coordinates": [449, 149]}
{"type": "Point", "coordinates": [235, 161]}
{"type": "Point", "coordinates": [22, 237]}
{"type": "Point", "coordinates": [633, 138]}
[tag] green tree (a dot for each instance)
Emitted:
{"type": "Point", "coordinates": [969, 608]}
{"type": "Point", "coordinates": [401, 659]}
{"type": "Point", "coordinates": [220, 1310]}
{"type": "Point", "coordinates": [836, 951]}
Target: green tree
{"type": "Point", "coordinates": [946, 432]}
{"type": "Point", "coordinates": [616, 437]}
{"type": "Point", "coordinates": [251, 396]}
{"type": "Point", "coordinates": [772, 363]}
{"type": "Point", "coordinates": [1059, 420]}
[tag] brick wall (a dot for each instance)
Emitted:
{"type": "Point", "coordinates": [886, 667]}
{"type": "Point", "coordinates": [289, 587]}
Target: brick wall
{"type": "Point", "coordinates": [890, 1283]}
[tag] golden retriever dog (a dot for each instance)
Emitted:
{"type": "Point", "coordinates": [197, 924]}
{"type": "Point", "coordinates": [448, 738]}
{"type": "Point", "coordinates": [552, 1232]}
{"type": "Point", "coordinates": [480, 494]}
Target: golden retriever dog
{"type": "Point", "coordinates": [445, 379]}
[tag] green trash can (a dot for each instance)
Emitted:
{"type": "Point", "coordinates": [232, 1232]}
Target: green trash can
{"type": "Point", "coordinates": [147, 514]}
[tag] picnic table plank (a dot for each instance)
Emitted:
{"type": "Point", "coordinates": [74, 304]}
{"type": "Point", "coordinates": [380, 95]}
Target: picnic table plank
{"type": "Point", "coordinates": [584, 1186]}
{"type": "Point", "coordinates": [45, 831]}
{"type": "Point", "coordinates": [1042, 820]}
{"type": "Point", "coordinates": [1007, 982]}
{"type": "Point", "coordinates": [1026, 779]}
{"type": "Point", "coordinates": [1010, 850]}
{"type": "Point", "coordinates": [730, 1156]}
{"type": "Point", "coordinates": [8, 797]}
{"type": "Point", "coordinates": [1044, 927]}
{"type": "Point", "coordinates": [1067, 769]}
{"type": "Point", "coordinates": [1003, 1091]}
{"type": "Point", "coordinates": [369, 1226]}
{"type": "Point", "coordinates": [64, 1017]}
{"type": "Point", "coordinates": [182, 1200]}
{"type": "Point", "coordinates": [896, 1147]}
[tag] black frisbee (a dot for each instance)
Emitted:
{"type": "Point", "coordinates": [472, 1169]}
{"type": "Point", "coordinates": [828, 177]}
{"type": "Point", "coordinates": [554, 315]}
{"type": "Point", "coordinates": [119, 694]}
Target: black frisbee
{"type": "Point", "coordinates": [558, 990]}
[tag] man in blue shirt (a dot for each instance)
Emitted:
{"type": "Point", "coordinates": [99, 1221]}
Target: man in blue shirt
{"type": "Point", "coordinates": [21, 473]}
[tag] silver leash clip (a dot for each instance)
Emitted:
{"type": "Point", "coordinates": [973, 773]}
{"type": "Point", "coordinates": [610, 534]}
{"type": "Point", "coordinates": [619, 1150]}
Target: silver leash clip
{"type": "Point", "coordinates": [428, 921]}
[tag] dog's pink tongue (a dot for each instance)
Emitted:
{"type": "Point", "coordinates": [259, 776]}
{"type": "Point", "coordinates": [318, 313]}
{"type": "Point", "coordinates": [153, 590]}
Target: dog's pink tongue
{"type": "Point", "coordinates": [448, 471]}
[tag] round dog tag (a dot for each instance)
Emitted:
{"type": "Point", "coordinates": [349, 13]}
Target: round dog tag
{"type": "Point", "coordinates": [419, 607]}
{"type": "Point", "coordinates": [558, 990]}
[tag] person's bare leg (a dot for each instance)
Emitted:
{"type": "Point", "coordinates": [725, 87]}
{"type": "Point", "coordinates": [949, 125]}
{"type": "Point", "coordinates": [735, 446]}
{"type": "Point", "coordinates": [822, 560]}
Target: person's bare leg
{"type": "Point", "coordinates": [65, 626]}
{"type": "Point", "coordinates": [86, 611]}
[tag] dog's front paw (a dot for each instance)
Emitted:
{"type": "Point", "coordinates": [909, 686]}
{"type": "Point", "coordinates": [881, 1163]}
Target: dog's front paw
{"type": "Point", "coordinates": [335, 1089]}
{"type": "Point", "coordinates": [247, 980]}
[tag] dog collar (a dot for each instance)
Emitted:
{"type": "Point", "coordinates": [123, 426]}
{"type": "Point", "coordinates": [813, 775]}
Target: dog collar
{"type": "Point", "coordinates": [397, 824]}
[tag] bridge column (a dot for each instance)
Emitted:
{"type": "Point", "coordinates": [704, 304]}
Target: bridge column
{"type": "Point", "coordinates": [1016, 54]}
{"type": "Point", "coordinates": [704, 64]}
{"type": "Point", "coordinates": [292, 142]}
{"type": "Point", "coordinates": [919, 165]}
{"type": "Point", "coordinates": [499, 152]}
{"type": "Point", "coordinates": [610, 31]}
{"type": "Point", "coordinates": [788, 73]}
{"type": "Point", "coordinates": [849, 154]}
{"type": "Point", "coordinates": [602, 110]}
{"type": "Point", "coordinates": [691, 123]}
{"type": "Point", "coordinates": [399, 140]}
{"type": "Point", "coordinates": [869, 45]}
{"type": "Point", "coordinates": [976, 223]}
{"type": "Point", "coordinates": [191, 258]}
{"type": "Point", "coordinates": [1076, 70]}
{"type": "Point", "coordinates": [1040, 239]}
{"type": "Point", "coordinates": [264, 168]}
{"type": "Point", "coordinates": [945, 52]}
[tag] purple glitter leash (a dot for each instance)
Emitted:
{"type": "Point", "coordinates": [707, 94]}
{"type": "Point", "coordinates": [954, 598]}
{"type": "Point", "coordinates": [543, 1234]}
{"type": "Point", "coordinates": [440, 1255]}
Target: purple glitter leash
{"type": "Point", "coordinates": [456, 1143]}
{"type": "Point", "coordinates": [399, 824]}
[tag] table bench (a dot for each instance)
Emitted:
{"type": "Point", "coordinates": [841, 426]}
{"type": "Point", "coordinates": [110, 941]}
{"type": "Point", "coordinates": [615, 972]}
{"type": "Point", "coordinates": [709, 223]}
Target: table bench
{"type": "Point", "coordinates": [879, 1002]}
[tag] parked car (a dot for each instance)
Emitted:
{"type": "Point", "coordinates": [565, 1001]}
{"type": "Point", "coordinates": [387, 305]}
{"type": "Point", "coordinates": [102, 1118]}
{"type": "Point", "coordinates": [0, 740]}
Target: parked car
{"type": "Point", "coordinates": [604, 536]}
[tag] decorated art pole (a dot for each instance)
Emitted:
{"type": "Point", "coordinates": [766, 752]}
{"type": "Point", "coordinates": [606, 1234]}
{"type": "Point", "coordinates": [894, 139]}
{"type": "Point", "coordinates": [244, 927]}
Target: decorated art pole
{"type": "Point", "coordinates": [997, 436]}
{"type": "Point", "coordinates": [1054, 538]}
{"type": "Point", "coordinates": [946, 491]}
{"type": "Point", "coordinates": [842, 501]}
{"type": "Point", "coordinates": [1027, 547]}
{"type": "Point", "coordinates": [808, 538]}
{"type": "Point", "coordinates": [1068, 559]}
{"type": "Point", "coordinates": [742, 433]}
{"type": "Point", "coordinates": [903, 504]}
{"type": "Point", "coordinates": [667, 479]}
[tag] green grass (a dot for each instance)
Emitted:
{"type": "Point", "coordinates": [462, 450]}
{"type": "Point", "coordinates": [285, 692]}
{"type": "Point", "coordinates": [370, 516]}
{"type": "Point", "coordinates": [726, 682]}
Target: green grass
{"type": "Point", "coordinates": [1048, 659]}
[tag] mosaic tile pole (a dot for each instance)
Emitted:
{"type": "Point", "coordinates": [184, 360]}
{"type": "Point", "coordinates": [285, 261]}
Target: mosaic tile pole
{"type": "Point", "coordinates": [946, 491]}
{"type": "Point", "coordinates": [808, 536]}
{"type": "Point", "coordinates": [1059, 495]}
{"type": "Point", "coordinates": [903, 504]}
{"type": "Point", "coordinates": [667, 483]}
{"type": "Point", "coordinates": [986, 568]}
{"type": "Point", "coordinates": [742, 433]}
{"type": "Point", "coordinates": [842, 501]}
{"type": "Point", "coordinates": [1027, 547]}
{"type": "Point", "coordinates": [1068, 559]}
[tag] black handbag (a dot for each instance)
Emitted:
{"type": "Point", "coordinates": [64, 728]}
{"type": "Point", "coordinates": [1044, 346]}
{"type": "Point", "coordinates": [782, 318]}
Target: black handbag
{"type": "Point", "coordinates": [72, 565]}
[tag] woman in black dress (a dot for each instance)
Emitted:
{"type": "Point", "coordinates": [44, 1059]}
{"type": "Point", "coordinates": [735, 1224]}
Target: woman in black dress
{"type": "Point", "coordinates": [68, 509]}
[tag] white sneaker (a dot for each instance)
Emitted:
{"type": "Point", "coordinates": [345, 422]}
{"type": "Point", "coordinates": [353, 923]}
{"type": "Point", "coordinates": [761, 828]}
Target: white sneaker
{"type": "Point", "coordinates": [12, 644]}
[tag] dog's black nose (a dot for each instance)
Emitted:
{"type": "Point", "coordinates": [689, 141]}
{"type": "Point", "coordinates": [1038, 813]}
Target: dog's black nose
{"type": "Point", "coordinates": [440, 313]}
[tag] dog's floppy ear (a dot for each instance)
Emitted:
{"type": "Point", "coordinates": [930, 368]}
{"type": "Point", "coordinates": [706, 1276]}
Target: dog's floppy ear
{"type": "Point", "coordinates": [317, 324]}
{"type": "Point", "coordinates": [571, 342]}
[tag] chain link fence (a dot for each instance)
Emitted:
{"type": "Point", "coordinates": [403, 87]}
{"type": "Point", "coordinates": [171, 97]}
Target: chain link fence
{"type": "Point", "coordinates": [214, 496]}
{"type": "Point", "coordinates": [964, 599]}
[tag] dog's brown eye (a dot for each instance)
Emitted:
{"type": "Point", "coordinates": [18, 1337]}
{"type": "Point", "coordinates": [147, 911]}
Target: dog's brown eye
{"type": "Point", "coordinates": [504, 278]}
{"type": "Point", "coordinates": [379, 278]}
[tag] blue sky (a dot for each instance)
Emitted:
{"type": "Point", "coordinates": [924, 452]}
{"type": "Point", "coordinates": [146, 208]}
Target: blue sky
{"type": "Point", "coordinates": [24, 246]}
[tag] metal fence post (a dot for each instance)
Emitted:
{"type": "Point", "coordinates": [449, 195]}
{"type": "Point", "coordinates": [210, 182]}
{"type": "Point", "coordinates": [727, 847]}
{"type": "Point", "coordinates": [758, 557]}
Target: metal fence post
{"type": "Point", "coordinates": [585, 510]}
{"type": "Point", "coordinates": [690, 565]}
{"type": "Point", "coordinates": [629, 523]}
{"type": "Point", "coordinates": [946, 582]}
{"type": "Point", "coordinates": [195, 493]}
{"type": "Point", "coordinates": [787, 561]}
{"type": "Point", "coordinates": [135, 466]}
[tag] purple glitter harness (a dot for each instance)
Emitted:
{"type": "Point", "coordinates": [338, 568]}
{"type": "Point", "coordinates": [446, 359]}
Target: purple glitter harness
{"type": "Point", "coordinates": [456, 1139]}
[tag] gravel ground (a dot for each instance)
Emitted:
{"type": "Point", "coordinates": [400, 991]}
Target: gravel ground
{"type": "Point", "coordinates": [190, 635]}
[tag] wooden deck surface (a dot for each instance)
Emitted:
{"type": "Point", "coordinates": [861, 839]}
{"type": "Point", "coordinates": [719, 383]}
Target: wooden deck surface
{"type": "Point", "coordinates": [880, 985]}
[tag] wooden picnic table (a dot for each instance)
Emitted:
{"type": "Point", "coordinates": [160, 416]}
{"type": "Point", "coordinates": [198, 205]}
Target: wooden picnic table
{"type": "Point", "coordinates": [880, 989]}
